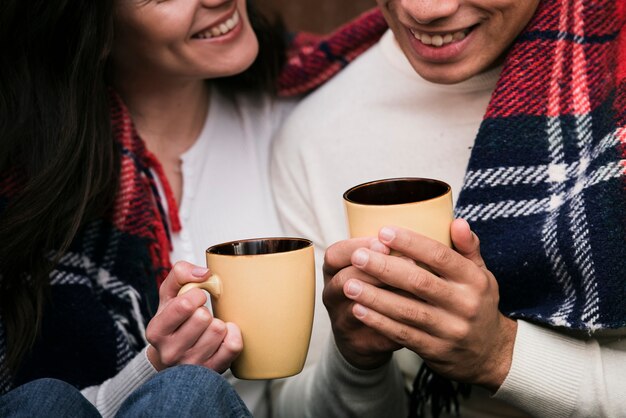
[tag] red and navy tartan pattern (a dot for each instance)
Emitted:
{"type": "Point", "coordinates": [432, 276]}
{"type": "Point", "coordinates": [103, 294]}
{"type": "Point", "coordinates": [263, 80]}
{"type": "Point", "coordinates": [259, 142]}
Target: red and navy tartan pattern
{"type": "Point", "coordinates": [312, 59]}
{"type": "Point", "coordinates": [545, 188]}
{"type": "Point", "coordinates": [104, 290]}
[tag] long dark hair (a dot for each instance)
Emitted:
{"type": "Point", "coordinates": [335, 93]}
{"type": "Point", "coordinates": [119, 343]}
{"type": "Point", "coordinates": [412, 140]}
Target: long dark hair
{"type": "Point", "coordinates": [56, 139]}
{"type": "Point", "coordinates": [56, 136]}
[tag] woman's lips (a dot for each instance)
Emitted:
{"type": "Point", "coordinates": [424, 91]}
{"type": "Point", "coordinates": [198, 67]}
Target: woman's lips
{"type": "Point", "coordinates": [219, 29]}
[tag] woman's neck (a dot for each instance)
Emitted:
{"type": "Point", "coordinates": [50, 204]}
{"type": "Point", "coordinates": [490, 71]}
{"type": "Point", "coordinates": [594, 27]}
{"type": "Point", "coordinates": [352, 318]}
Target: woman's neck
{"type": "Point", "coordinates": [169, 118]}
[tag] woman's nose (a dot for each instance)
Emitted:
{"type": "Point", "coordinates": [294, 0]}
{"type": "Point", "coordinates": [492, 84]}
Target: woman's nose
{"type": "Point", "coordinates": [427, 11]}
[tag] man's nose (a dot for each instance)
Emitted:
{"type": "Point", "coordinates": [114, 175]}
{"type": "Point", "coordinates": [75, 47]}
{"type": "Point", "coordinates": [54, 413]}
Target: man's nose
{"type": "Point", "coordinates": [427, 11]}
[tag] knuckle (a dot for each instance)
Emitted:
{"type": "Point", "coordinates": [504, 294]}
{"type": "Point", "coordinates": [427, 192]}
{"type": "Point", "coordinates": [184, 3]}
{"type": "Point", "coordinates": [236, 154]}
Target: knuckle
{"type": "Point", "coordinates": [151, 335]}
{"type": "Point", "coordinates": [409, 313]}
{"type": "Point", "coordinates": [459, 332]}
{"type": "Point", "coordinates": [333, 290]}
{"type": "Point", "coordinates": [183, 309]}
{"type": "Point", "coordinates": [168, 357]}
{"type": "Point", "coordinates": [418, 280]}
{"type": "Point", "coordinates": [381, 265]}
{"type": "Point", "coordinates": [441, 255]}
{"type": "Point", "coordinates": [402, 335]}
{"type": "Point", "coordinates": [472, 309]}
{"type": "Point", "coordinates": [406, 239]}
{"type": "Point", "coordinates": [230, 348]}
{"type": "Point", "coordinates": [330, 258]}
{"type": "Point", "coordinates": [218, 327]}
{"type": "Point", "coordinates": [235, 346]}
{"type": "Point", "coordinates": [202, 316]}
{"type": "Point", "coordinates": [179, 269]}
{"type": "Point", "coordinates": [371, 298]}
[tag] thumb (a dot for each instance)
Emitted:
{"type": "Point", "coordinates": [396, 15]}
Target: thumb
{"type": "Point", "coordinates": [466, 242]}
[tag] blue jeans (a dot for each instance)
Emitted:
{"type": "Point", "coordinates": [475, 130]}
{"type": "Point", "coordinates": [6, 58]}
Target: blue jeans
{"type": "Point", "coordinates": [182, 391]}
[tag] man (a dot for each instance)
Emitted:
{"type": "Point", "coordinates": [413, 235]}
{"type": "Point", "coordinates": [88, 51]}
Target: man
{"type": "Point", "coordinates": [531, 318]}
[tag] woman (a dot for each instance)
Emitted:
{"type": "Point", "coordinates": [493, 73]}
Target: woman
{"type": "Point", "coordinates": [119, 158]}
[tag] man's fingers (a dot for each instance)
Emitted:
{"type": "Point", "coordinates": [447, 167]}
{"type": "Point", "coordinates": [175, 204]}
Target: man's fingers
{"type": "Point", "coordinates": [466, 242]}
{"type": "Point", "coordinates": [438, 257]}
{"type": "Point", "coordinates": [404, 274]}
{"type": "Point", "coordinates": [400, 308]}
{"type": "Point", "coordinates": [338, 255]}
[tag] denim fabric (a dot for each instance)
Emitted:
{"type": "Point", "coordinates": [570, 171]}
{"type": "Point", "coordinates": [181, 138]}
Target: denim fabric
{"type": "Point", "coordinates": [182, 391]}
{"type": "Point", "coordinates": [46, 398]}
{"type": "Point", "coordinates": [185, 391]}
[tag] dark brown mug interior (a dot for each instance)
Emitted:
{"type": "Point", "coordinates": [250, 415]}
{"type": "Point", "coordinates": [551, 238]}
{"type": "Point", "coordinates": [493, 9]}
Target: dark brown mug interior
{"type": "Point", "coordinates": [259, 246]}
{"type": "Point", "coordinates": [396, 191]}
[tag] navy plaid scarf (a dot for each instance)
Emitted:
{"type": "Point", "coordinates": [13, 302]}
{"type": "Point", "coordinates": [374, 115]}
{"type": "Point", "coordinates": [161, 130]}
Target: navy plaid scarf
{"type": "Point", "coordinates": [545, 187]}
{"type": "Point", "coordinates": [104, 289]}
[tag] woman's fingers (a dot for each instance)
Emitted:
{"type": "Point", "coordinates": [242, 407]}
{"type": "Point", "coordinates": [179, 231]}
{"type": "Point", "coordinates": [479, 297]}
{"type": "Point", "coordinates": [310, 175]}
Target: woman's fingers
{"type": "Point", "coordinates": [226, 352]}
{"type": "Point", "coordinates": [178, 310]}
{"type": "Point", "coordinates": [180, 274]}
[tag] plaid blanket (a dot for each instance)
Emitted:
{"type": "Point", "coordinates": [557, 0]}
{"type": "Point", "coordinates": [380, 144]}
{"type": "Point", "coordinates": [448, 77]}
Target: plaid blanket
{"type": "Point", "coordinates": [104, 290]}
{"type": "Point", "coordinates": [545, 186]}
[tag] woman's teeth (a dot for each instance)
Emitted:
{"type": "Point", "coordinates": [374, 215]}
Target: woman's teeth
{"type": "Point", "coordinates": [219, 30]}
{"type": "Point", "coordinates": [441, 39]}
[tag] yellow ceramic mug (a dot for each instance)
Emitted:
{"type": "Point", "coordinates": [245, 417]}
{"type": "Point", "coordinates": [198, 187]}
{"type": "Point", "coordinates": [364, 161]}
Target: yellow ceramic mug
{"type": "Point", "coordinates": [267, 287]}
{"type": "Point", "coordinates": [420, 204]}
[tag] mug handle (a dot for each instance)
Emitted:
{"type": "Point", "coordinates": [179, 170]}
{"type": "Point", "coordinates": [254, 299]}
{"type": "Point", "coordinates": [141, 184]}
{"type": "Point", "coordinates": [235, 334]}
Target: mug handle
{"type": "Point", "coordinates": [213, 285]}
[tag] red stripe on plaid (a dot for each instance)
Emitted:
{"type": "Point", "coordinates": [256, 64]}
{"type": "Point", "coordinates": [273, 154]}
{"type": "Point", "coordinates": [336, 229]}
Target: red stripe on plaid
{"type": "Point", "coordinates": [135, 210]}
{"type": "Point", "coordinates": [537, 75]}
{"type": "Point", "coordinates": [309, 66]}
{"type": "Point", "coordinates": [11, 183]}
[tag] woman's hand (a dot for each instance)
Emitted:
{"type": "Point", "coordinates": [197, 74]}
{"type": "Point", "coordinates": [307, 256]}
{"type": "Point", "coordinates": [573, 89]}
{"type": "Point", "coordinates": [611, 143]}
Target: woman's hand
{"type": "Point", "coordinates": [446, 313]}
{"type": "Point", "coordinates": [183, 331]}
{"type": "Point", "coordinates": [360, 345]}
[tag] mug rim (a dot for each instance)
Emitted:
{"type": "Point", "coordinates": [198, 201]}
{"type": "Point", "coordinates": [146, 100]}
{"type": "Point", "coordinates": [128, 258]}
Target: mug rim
{"type": "Point", "coordinates": [351, 190]}
{"type": "Point", "coordinates": [307, 243]}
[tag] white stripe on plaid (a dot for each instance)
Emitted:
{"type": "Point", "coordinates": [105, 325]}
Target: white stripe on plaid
{"type": "Point", "coordinates": [527, 207]}
{"type": "Point", "coordinates": [126, 313]}
{"type": "Point", "coordinates": [545, 173]}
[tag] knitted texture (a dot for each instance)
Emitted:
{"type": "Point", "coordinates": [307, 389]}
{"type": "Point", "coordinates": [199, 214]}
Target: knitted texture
{"type": "Point", "coordinates": [314, 59]}
{"type": "Point", "coordinates": [104, 289]}
{"type": "Point", "coordinates": [545, 186]}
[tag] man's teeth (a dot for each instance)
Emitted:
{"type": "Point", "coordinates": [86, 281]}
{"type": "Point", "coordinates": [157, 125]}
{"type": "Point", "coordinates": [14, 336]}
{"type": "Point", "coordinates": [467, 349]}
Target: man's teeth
{"type": "Point", "coordinates": [221, 29]}
{"type": "Point", "coordinates": [439, 40]}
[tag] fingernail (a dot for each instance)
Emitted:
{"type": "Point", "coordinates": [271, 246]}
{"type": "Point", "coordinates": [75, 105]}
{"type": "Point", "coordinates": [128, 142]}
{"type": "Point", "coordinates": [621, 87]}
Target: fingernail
{"type": "Point", "coordinates": [199, 271]}
{"type": "Point", "coordinates": [359, 311]}
{"type": "Point", "coordinates": [354, 288]}
{"type": "Point", "coordinates": [386, 234]}
{"type": "Point", "coordinates": [360, 258]}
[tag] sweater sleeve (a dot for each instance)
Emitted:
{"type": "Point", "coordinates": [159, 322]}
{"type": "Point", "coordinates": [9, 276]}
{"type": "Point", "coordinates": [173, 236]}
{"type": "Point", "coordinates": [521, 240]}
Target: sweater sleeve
{"type": "Point", "coordinates": [109, 396]}
{"type": "Point", "coordinates": [334, 388]}
{"type": "Point", "coordinates": [553, 375]}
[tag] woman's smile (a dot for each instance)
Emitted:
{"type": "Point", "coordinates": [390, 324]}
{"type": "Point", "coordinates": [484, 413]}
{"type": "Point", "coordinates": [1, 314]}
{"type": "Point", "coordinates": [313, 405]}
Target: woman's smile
{"type": "Point", "coordinates": [225, 26]}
